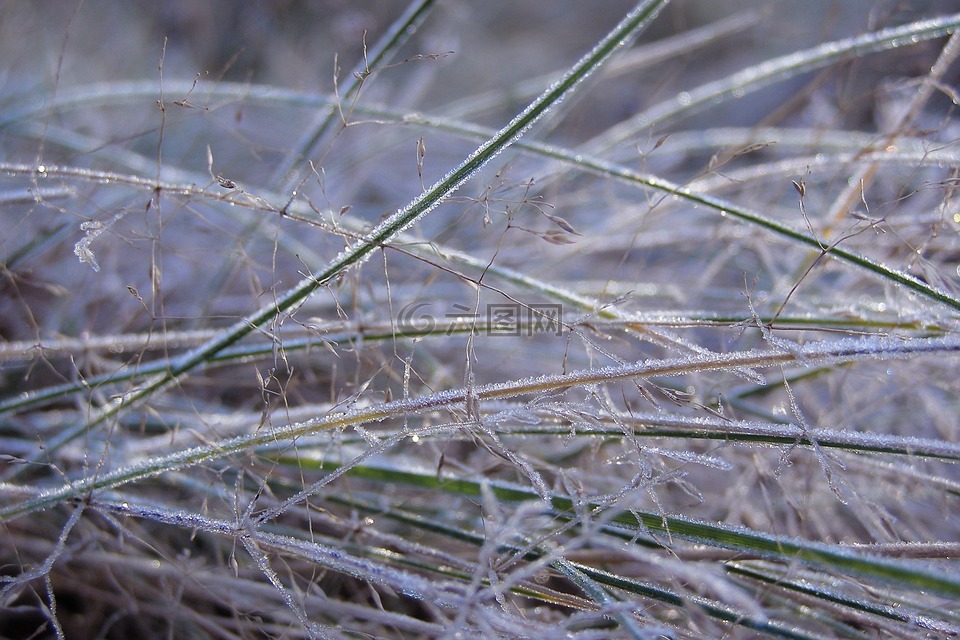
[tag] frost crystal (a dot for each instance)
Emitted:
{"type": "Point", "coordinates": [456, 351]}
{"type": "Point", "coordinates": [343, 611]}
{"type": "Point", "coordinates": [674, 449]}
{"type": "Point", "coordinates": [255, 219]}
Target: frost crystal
{"type": "Point", "coordinates": [93, 229]}
{"type": "Point", "coordinates": [82, 248]}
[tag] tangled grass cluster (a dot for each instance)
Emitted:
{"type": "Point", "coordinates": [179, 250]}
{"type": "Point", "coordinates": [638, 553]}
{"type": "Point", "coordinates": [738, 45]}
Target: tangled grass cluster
{"type": "Point", "coordinates": [585, 321]}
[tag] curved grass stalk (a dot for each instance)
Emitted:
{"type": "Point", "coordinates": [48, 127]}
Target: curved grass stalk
{"type": "Point", "coordinates": [740, 83]}
{"type": "Point", "coordinates": [25, 351]}
{"type": "Point", "coordinates": [341, 334]}
{"type": "Point", "coordinates": [29, 351]}
{"type": "Point", "coordinates": [707, 141]}
{"type": "Point", "coordinates": [328, 556]}
{"type": "Point", "coordinates": [795, 166]}
{"type": "Point", "coordinates": [357, 253]}
{"type": "Point", "coordinates": [726, 208]}
{"type": "Point", "coordinates": [846, 350]}
{"type": "Point", "coordinates": [603, 168]}
{"type": "Point", "coordinates": [750, 431]}
{"type": "Point", "coordinates": [12, 197]}
{"type": "Point", "coordinates": [650, 426]}
{"type": "Point", "coordinates": [582, 161]}
{"type": "Point", "coordinates": [335, 334]}
{"type": "Point", "coordinates": [771, 71]}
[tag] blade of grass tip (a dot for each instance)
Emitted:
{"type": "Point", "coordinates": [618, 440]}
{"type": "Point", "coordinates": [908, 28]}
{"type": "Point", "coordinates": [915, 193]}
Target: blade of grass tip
{"type": "Point", "coordinates": [600, 595]}
{"type": "Point", "coordinates": [770, 71]}
{"type": "Point", "coordinates": [355, 254]}
{"type": "Point", "coordinates": [380, 54]}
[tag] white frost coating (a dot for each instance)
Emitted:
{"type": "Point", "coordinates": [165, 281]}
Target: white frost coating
{"type": "Point", "coordinates": [82, 249]}
{"type": "Point", "coordinates": [691, 456]}
{"type": "Point", "coordinates": [846, 438]}
{"type": "Point", "coordinates": [411, 584]}
{"type": "Point", "coordinates": [508, 417]}
{"type": "Point", "coordinates": [92, 229]}
{"type": "Point", "coordinates": [444, 594]}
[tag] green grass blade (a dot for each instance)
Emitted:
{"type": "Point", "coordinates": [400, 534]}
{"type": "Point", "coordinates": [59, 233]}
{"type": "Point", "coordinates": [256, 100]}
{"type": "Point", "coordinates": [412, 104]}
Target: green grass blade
{"type": "Point", "coordinates": [639, 523]}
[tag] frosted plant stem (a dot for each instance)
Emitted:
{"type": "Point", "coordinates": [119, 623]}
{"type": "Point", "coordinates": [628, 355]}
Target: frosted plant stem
{"type": "Point", "coordinates": [599, 166]}
{"type": "Point", "coordinates": [725, 207]}
{"type": "Point", "coordinates": [771, 71]}
{"type": "Point", "coordinates": [647, 527]}
{"type": "Point", "coordinates": [856, 185]}
{"type": "Point", "coordinates": [357, 253]}
{"type": "Point", "coordinates": [264, 565]}
{"type": "Point", "coordinates": [831, 352]}
{"type": "Point", "coordinates": [43, 571]}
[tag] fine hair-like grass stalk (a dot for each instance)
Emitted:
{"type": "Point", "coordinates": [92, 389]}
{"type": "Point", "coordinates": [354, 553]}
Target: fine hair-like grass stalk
{"type": "Point", "coordinates": [499, 320]}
